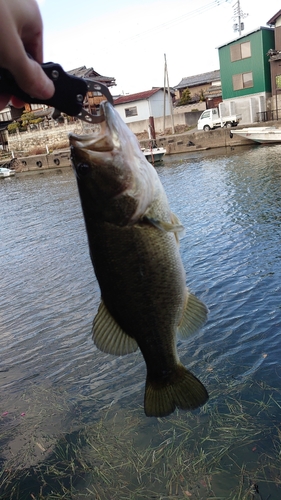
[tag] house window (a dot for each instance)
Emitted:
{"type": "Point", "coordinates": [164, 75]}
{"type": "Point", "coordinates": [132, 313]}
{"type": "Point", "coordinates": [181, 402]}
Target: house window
{"type": "Point", "coordinates": [245, 50]}
{"type": "Point", "coordinates": [93, 93]}
{"type": "Point", "coordinates": [278, 81]}
{"type": "Point", "coordinates": [240, 51]}
{"type": "Point", "coordinates": [242, 81]}
{"type": "Point", "coordinates": [131, 111]}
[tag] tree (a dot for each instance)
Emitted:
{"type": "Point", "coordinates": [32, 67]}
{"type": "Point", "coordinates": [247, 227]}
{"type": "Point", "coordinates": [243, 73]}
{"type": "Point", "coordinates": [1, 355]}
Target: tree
{"type": "Point", "coordinates": [202, 96]}
{"type": "Point", "coordinates": [28, 118]}
{"type": "Point", "coordinates": [185, 97]}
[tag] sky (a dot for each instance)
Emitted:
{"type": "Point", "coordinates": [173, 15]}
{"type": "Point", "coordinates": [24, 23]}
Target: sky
{"type": "Point", "coordinates": [127, 39]}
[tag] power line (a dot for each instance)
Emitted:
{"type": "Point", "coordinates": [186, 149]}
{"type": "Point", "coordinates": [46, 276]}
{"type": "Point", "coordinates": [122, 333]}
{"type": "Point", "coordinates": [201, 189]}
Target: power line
{"type": "Point", "coordinates": [176, 20]}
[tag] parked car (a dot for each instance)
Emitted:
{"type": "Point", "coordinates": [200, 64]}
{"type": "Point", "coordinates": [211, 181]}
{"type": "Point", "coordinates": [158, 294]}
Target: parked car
{"type": "Point", "coordinates": [211, 119]}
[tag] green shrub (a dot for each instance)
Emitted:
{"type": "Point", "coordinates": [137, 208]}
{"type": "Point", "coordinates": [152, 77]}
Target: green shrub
{"type": "Point", "coordinates": [12, 127]}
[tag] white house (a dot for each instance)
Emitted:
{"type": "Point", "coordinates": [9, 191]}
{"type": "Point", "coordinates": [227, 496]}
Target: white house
{"type": "Point", "coordinates": [140, 106]}
{"type": "Point", "coordinates": [5, 114]}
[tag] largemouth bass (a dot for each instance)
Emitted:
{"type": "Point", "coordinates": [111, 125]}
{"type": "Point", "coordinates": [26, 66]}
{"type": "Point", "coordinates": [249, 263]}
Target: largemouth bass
{"type": "Point", "coordinates": [133, 242]}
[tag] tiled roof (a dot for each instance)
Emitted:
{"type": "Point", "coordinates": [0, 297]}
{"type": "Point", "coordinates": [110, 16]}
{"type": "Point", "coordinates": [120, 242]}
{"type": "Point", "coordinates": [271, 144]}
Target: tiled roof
{"type": "Point", "coordinates": [136, 97]}
{"type": "Point", "coordinates": [83, 72]}
{"type": "Point", "coordinates": [201, 79]}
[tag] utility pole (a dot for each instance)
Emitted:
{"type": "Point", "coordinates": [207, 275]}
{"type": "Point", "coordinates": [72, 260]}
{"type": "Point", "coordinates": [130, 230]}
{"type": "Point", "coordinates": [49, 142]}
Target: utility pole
{"type": "Point", "coordinates": [238, 15]}
{"type": "Point", "coordinates": [166, 81]}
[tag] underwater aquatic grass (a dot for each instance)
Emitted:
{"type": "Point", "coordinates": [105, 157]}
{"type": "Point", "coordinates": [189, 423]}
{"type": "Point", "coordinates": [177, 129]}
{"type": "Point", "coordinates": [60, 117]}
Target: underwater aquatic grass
{"type": "Point", "coordinates": [230, 449]}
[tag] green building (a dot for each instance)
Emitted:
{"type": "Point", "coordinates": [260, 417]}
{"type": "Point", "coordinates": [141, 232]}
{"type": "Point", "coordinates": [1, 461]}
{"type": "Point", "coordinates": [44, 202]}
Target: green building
{"type": "Point", "coordinates": [245, 74]}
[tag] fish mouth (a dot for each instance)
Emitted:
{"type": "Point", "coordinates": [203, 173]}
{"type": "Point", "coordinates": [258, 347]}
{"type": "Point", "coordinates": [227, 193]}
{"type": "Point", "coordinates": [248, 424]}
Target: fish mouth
{"type": "Point", "coordinates": [111, 146]}
{"type": "Point", "coordinates": [109, 163]}
{"type": "Point", "coordinates": [99, 158]}
{"type": "Point", "coordinates": [98, 140]}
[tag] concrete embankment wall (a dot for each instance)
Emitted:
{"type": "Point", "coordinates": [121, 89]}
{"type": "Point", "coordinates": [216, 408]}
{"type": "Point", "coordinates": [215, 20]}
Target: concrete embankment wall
{"type": "Point", "coordinates": [198, 140]}
{"type": "Point", "coordinates": [38, 163]}
{"type": "Point", "coordinates": [178, 143]}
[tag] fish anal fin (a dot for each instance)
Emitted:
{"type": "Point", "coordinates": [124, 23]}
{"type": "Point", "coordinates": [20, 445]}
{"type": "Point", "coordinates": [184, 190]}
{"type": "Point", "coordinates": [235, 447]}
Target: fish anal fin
{"type": "Point", "coordinates": [194, 316]}
{"type": "Point", "coordinates": [183, 390]}
{"type": "Point", "coordinates": [108, 336]}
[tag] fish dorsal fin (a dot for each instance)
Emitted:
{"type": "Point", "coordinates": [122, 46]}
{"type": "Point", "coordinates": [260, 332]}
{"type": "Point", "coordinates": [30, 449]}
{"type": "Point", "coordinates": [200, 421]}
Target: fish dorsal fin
{"type": "Point", "coordinates": [194, 316]}
{"type": "Point", "coordinates": [174, 226]}
{"type": "Point", "coordinates": [108, 336]}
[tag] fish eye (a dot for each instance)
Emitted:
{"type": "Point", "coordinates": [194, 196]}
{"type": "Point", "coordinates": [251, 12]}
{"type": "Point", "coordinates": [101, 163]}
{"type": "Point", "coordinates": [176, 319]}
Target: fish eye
{"type": "Point", "coordinates": [83, 169]}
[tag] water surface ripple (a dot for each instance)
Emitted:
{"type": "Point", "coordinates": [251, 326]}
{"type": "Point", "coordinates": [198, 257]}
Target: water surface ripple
{"type": "Point", "coordinates": [230, 206]}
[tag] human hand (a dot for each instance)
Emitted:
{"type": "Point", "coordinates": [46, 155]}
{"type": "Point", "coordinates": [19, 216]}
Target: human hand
{"type": "Point", "coordinates": [21, 32]}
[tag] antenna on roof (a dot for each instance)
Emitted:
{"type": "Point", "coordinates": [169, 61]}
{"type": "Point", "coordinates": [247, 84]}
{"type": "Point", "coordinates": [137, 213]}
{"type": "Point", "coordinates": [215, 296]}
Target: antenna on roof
{"type": "Point", "coordinates": [238, 15]}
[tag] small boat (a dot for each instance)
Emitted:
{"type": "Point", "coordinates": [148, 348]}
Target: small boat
{"type": "Point", "coordinates": [262, 135]}
{"type": "Point", "coordinates": [154, 154]}
{"type": "Point", "coordinates": [6, 172]}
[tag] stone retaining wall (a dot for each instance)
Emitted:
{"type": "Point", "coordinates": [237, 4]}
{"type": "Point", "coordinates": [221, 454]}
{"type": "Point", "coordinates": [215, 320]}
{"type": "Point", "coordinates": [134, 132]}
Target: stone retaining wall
{"type": "Point", "coordinates": [54, 136]}
{"type": "Point", "coordinates": [50, 137]}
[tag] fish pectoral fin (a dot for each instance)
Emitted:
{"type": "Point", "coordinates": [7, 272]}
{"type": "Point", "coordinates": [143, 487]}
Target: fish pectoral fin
{"type": "Point", "coordinates": [108, 336]}
{"type": "Point", "coordinates": [181, 390]}
{"type": "Point", "coordinates": [174, 226]}
{"type": "Point", "coordinates": [194, 316]}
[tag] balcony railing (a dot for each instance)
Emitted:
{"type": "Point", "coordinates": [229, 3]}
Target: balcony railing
{"type": "Point", "coordinates": [267, 116]}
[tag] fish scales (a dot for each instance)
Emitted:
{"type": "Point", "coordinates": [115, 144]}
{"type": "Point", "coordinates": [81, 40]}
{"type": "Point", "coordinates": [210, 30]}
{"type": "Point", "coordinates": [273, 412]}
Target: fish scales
{"type": "Point", "coordinates": [145, 293]}
{"type": "Point", "coordinates": [133, 244]}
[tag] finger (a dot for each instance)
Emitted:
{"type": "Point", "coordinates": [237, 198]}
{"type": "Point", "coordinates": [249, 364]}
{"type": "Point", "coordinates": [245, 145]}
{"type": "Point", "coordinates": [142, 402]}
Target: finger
{"type": "Point", "coordinates": [23, 33]}
{"type": "Point", "coordinates": [32, 31]}
{"type": "Point", "coordinates": [17, 103]}
{"type": "Point", "coordinates": [31, 78]}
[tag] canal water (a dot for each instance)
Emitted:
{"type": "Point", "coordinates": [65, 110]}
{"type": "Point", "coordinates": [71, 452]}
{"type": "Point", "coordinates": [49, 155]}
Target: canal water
{"type": "Point", "coordinates": [71, 417]}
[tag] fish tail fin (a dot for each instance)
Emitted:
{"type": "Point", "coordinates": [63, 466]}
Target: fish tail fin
{"type": "Point", "coordinates": [182, 390]}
